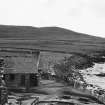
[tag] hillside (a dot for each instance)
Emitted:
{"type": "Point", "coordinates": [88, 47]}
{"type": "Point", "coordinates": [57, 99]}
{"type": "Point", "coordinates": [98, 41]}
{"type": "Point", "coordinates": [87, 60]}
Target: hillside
{"type": "Point", "coordinates": [48, 59]}
{"type": "Point", "coordinates": [53, 39]}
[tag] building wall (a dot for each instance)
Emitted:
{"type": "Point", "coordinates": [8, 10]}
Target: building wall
{"type": "Point", "coordinates": [21, 62]}
{"type": "Point", "coordinates": [12, 82]}
{"type": "Point", "coordinates": [19, 82]}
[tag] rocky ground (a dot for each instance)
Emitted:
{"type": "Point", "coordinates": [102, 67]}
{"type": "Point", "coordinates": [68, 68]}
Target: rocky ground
{"type": "Point", "coordinates": [56, 93]}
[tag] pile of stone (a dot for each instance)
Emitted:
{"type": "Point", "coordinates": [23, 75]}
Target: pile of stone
{"type": "Point", "coordinates": [97, 92]}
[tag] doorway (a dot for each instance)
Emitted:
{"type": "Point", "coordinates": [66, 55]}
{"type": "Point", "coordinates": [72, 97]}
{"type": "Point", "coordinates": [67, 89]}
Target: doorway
{"type": "Point", "coordinates": [33, 80]}
{"type": "Point", "coordinates": [22, 80]}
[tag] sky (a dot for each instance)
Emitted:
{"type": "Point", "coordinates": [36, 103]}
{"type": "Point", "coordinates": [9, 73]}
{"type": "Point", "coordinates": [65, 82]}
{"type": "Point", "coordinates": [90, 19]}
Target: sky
{"type": "Point", "coordinates": [85, 16]}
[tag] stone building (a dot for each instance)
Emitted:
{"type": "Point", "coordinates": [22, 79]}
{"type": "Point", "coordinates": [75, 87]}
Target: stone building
{"type": "Point", "coordinates": [20, 69]}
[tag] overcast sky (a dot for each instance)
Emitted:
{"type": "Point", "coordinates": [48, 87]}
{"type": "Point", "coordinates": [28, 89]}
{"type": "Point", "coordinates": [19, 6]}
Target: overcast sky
{"type": "Point", "coordinates": [86, 16]}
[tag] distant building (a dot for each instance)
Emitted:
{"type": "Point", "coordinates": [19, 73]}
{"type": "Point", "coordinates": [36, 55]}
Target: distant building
{"type": "Point", "coordinates": [21, 69]}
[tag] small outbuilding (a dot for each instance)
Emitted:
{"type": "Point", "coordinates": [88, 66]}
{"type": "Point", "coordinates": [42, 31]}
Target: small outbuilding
{"type": "Point", "coordinates": [21, 69]}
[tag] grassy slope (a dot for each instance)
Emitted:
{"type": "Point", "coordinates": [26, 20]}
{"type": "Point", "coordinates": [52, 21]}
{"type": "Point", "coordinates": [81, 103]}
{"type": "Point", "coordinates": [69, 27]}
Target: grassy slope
{"type": "Point", "coordinates": [50, 39]}
{"type": "Point", "coordinates": [48, 59]}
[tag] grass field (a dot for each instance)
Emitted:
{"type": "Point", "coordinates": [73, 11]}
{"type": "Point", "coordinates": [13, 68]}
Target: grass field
{"type": "Point", "coordinates": [53, 39]}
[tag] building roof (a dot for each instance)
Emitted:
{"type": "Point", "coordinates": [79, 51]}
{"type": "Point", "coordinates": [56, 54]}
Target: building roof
{"type": "Point", "coordinates": [53, 39]}
{"type": "Point", "coordinates": [20, 63]}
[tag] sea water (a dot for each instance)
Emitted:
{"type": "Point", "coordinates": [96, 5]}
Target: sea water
{"type": "Point", "coordinates": [90, 75]}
